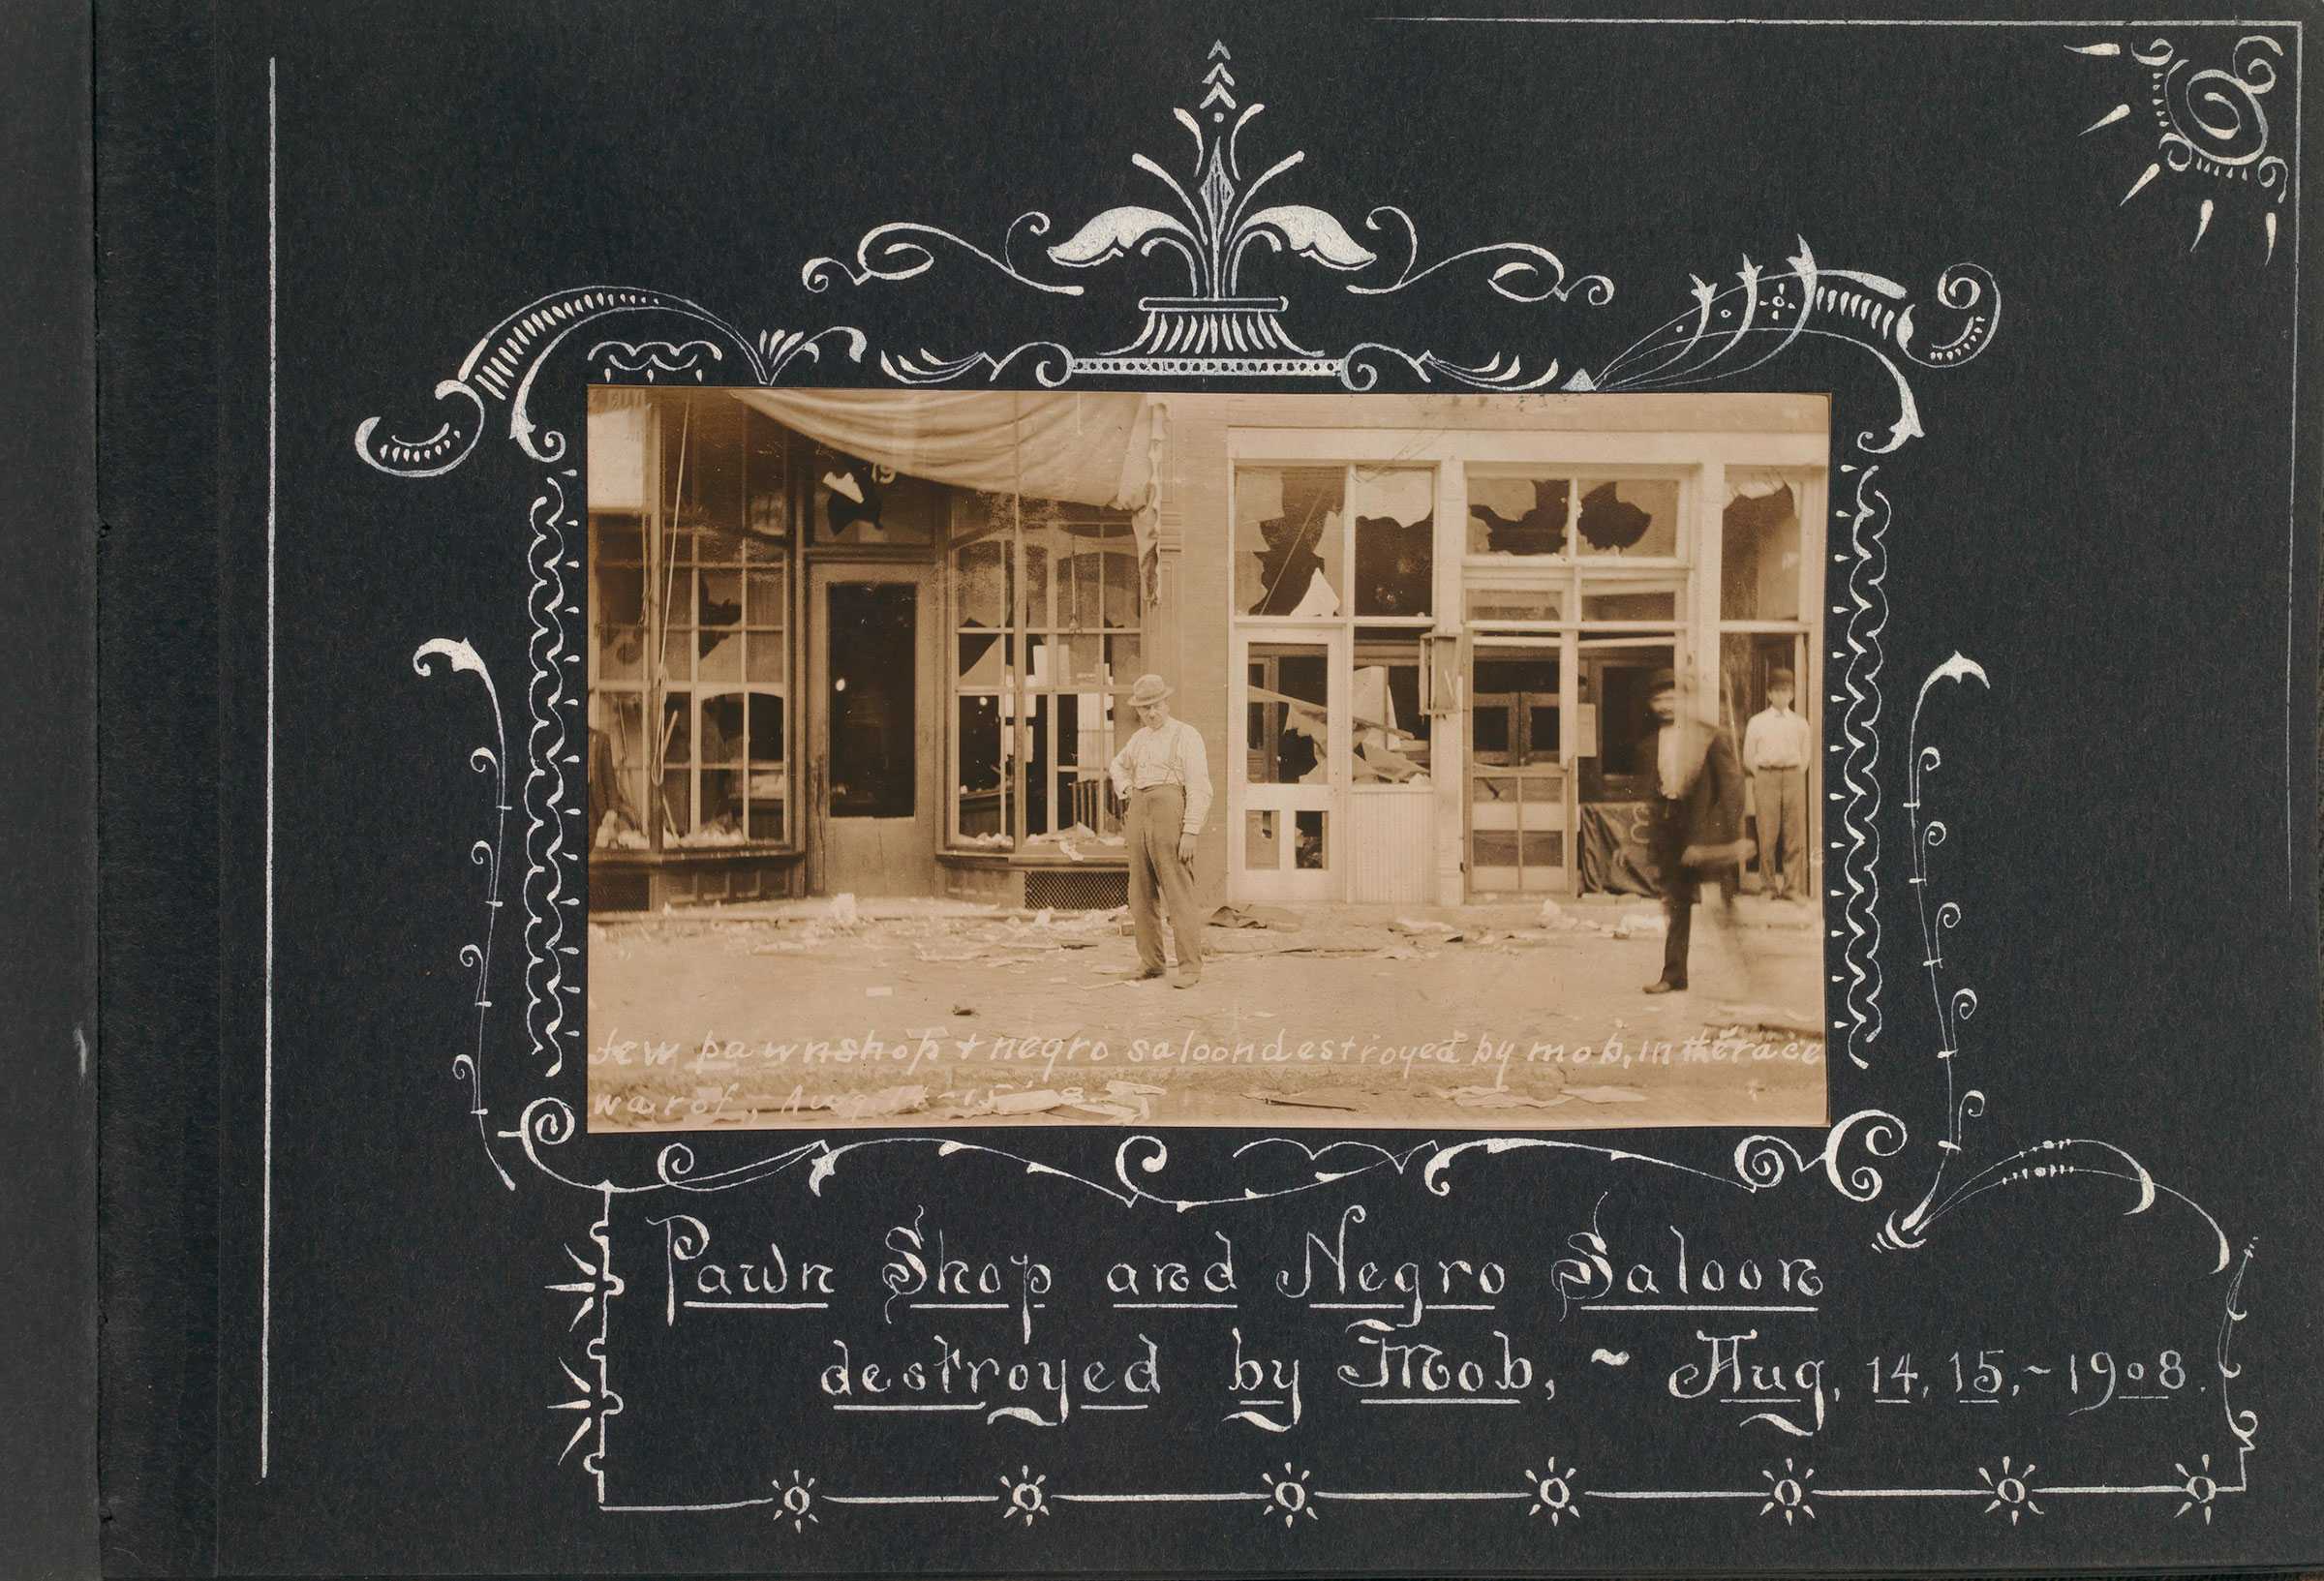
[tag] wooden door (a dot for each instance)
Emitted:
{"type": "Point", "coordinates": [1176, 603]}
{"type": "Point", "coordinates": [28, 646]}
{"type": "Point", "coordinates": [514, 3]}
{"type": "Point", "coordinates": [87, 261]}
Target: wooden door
{"type": "Point", "coordinates": [875, 719]}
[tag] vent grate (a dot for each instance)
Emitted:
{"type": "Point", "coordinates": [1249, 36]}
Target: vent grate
{"type": "Point", "coordinates": [1077, 892]}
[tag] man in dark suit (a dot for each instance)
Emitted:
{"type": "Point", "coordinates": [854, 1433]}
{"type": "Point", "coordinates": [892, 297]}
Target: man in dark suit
{"type": "Point", "coordinates": [1696, 829]}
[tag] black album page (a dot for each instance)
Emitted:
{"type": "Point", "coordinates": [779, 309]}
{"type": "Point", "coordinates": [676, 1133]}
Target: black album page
{"type": "Point", "coordinates": [1209, 790]}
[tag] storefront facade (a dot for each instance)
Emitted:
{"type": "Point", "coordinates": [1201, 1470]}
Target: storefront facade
{"type": "Point", "coordinates": [1417, 630]}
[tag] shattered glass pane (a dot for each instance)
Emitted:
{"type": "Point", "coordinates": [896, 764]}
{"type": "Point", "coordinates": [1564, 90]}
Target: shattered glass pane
{"type": "Point", "coordinates": [1517, 514]}
{"type": "Point", "coordinates": [1636, 517]}
{"type": "Point", "coordinates": [722, 739]}
{"type": "Point", "coordinates": [1760, 556]}
{"type": "Point", "coordinates": [982, 789]}
{"type": "Point", "coordinates": [1289, 715]}
{"type": "Point", "coordinates": [1310, 849]}
{"type": "Point", "coordinates": [1288, 541]}
{"type": "Point", "coordinates": [984, 662]}
{"type": "Point", "coordinates": [1396, 541]}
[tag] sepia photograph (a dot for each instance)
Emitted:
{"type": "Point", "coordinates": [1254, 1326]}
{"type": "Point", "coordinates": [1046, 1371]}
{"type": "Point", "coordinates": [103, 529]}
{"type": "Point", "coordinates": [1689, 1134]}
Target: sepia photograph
{"type": "Point", "coordinates": [1215, 759]}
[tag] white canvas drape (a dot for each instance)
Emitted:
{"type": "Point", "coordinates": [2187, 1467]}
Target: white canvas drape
{"type": "Point", "coordinates": [1087, 449]}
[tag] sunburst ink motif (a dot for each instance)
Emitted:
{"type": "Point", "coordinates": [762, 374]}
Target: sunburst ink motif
{"type": "Point", "coordinates": [2013, 1491]}
{"type": "Point", "coordinates": [1022, 1497]}
{"type": "Point", "coordinates": [1553, 1492]}
{"type": "Point", "coordinates": [2201, 1488]}
{"type": "Point", "coordinates": [1288, 1497]}
{"type": "Point", "coordinates": [795, 1503]}
{"type": "Point", "coordinates": [2208, 124]}
{"type": "Point", "coordinates": [1789, 1493]}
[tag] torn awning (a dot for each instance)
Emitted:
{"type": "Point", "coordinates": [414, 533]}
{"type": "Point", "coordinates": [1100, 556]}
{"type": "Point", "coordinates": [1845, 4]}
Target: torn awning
{"type": "Point", "coordinates": [1087, 449]}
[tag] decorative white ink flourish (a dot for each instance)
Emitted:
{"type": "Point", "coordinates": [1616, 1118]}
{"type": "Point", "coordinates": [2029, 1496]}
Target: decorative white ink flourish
{"type": "Point", "coordinates": [1734, 331]}
{"type": "Point", "coordinates": [463, 656]}
{"type": "Point", "coordinates": [1213, 227]}
{"type": "Point", "coordinates": [500, 371]}
{"type": "Point", "coordinates": [2212, 124]}
{"type": "Point", "coordinates": [1867, 605]}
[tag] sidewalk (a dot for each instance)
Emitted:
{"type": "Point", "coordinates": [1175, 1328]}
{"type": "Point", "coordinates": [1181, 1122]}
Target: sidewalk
{"type": "Point", "coordinates": [1490, 1016]}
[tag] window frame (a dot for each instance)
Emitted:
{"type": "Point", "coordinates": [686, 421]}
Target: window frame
{"type": "Point", "coordinates": [680, 567]}
{"type": "Point", "coordinates": [1018, 695]}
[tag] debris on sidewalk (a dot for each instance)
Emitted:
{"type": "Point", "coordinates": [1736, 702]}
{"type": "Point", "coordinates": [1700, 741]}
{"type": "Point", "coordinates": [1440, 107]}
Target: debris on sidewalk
{"type": "Point", "coordinates": [1255, 917]}
{"type": "Point", "coordinates": [1425, 928]}
{"type": "Point", "coordinates": [1641, 925]}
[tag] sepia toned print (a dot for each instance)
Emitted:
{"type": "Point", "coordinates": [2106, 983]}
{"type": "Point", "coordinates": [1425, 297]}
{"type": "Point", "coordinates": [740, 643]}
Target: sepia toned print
{"type": "Point", "coordinates": [1198, 759]}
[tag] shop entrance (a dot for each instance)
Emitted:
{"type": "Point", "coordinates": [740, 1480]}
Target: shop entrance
{"type": "Point", "coordinates": [1288, 769]}
{"type": "Point", "coordinates": [873, 798]}
{"type": "Point", "coordinates": [1520, 821]}
{"type": "Point", "coordinates": [1616, 770]}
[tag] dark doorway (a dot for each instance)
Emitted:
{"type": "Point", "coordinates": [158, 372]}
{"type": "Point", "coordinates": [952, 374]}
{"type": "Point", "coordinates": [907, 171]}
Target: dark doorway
{"type": "Point", "coordinates": [873, 768]}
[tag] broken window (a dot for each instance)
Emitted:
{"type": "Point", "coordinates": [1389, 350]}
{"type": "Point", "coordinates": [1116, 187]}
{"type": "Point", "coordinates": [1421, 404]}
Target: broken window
{"type": "Point", "coordinates": [1636, 517]}
{"type": "Point", "coordinates": [1310, 841]}
{"type": "Point", "coordinates": [1288, 715]}
{"type": "Point", "coordinates": [857, 503]}
{"type": "Point", "coordinates": [1392, 729]}
{"type": "Point", "coordinates": [1047, 624]}
{"type": "Point", "coordinates": [1518, 513]}
{"type": "Point", "coordinates": [1760, 569]}
{"type": "Point", "coordinates": [1289, 541]}
{"type": "Point", "coordinates": [689, 599]}
{"type": "Point", "coordinates": [981, 796]}
{"type": "Point", "coordinates": [1395, 540]}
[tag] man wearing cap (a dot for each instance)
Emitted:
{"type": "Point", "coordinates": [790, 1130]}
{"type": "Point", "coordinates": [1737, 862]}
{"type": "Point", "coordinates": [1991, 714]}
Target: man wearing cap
{"type": "Point", "coordinates": [1775, 744]}
{"type": "Point", "coordinates": [1697, 820]}
{"type": "Point", "coordinates": [1162, 775]}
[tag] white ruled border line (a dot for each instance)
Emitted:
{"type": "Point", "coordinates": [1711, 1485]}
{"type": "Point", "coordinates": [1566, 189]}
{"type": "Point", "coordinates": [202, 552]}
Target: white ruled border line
{"type": "Point", "coordinates": [1644, 1494]}
{"type": "Point", "coordinates": [1251, 1498]}
{"type": "Point", "coordinates": [2092, 22]}
{"type": "Point", "coordinates": [683, 1509]}
{"type": "Point", "coordinates": [971, 1405]}
{"type": "Point", "coordinates": [1438, 1400]}
{"type": "Point", "coordinates": [1415, 1497]}
{"type": "Point", "coordinates": [266, 1002]}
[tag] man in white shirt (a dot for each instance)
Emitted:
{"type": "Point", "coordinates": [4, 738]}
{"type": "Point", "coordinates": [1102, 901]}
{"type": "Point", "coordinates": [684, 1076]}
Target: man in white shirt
{"type": "Point", "coordinates": [1162, 775]}
{"type": "Point", "coordinates": [1776, 747]}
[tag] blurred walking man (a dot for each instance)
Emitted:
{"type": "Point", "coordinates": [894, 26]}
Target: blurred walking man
{"type": "Point", "coordinates": [1775, 754]}
{"type": "Point", "coordinates": [1162, 775]}
{"type": "Point", "coordinates": [1697, 830]}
